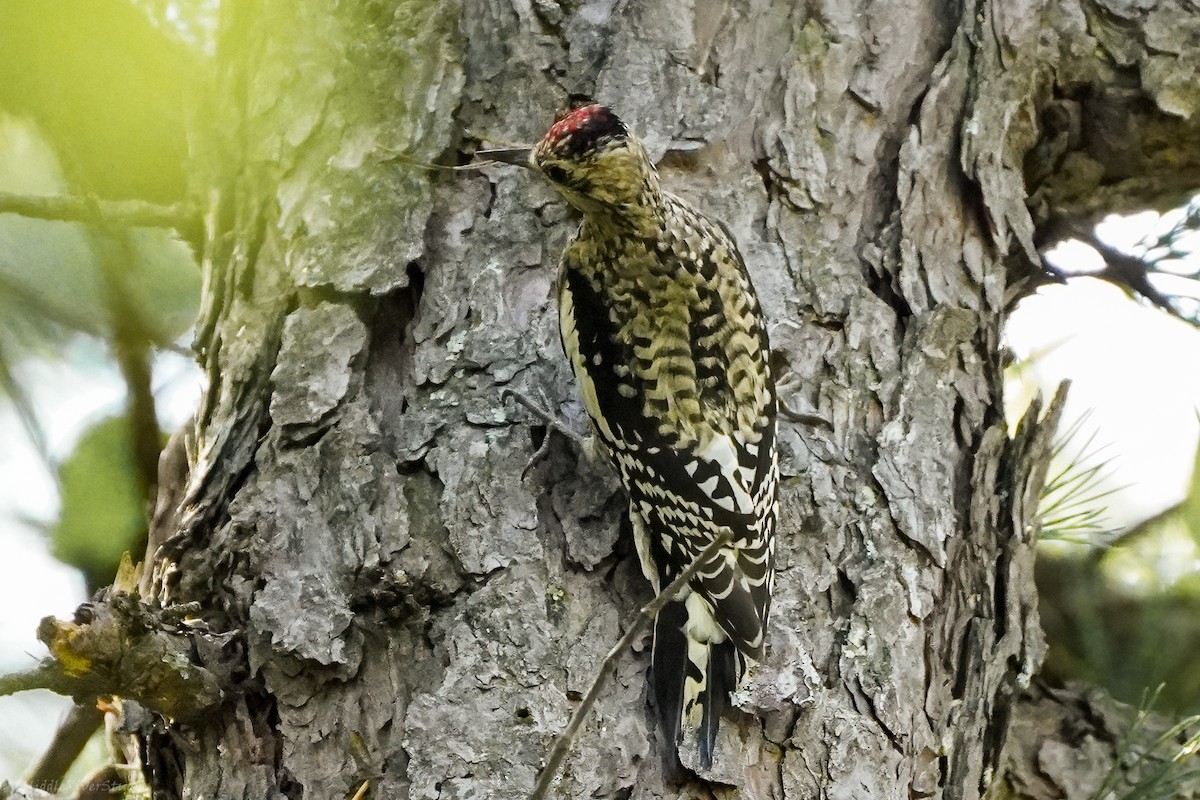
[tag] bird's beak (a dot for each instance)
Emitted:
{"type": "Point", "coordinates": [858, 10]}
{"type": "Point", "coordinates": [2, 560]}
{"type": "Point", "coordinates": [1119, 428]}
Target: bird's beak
{"type": "Point", "coordinates": [518, 156]}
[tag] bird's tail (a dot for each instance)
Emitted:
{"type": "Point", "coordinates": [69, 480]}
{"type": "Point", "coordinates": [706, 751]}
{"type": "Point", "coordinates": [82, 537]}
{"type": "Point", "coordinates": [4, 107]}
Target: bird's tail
{"type": "Point", "coordinates": [694, 668]}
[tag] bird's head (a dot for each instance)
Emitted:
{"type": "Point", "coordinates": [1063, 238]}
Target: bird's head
{"type": "Point", "coordinates": [590, 157]}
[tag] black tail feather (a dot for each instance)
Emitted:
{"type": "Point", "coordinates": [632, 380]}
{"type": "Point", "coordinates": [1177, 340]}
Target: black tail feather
{"type": "Point", "coordinates": [668, 666]}
{"type": "Point", "coordinates": [721, 680]}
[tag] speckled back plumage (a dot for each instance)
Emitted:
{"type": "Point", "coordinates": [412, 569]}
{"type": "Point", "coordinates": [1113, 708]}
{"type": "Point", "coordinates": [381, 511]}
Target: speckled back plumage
{"type": "Point", "coordinates": [666, 339]}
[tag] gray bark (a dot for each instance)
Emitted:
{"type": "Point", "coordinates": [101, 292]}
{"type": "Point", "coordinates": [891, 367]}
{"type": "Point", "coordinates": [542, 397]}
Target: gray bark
{"type": "Point", "coordinates": [1067, 743]}
{"type": "Point", "coordinates": [404, 607]}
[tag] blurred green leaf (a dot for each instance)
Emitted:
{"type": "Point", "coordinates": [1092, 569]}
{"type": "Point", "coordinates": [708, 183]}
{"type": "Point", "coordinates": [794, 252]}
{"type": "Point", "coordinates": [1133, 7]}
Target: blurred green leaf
{"type": "Point", "coordinates": [106, 86]}
{"type": "Point", "coordinates": [1190, 509]}
{"type": "Point", "coordinates": [24, 407]}
{"type": "Point", "coordinates": [102, 513]}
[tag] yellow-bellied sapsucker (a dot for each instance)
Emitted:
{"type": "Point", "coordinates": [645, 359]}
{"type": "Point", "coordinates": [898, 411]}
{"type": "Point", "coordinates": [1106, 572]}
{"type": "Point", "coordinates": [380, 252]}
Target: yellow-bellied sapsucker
{"type": "Point", "coordinates": [667, 341]}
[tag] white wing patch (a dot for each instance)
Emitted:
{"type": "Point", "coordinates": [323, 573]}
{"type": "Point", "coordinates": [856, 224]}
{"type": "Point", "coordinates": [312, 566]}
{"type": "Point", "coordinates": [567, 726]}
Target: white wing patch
{"type": "Point", "coordinates": [722, 452]}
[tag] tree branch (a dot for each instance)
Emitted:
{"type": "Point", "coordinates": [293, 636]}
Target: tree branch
{"type": "Point", "coordinates": [22, 791]}
{"type": "Point", "coordinates": [46, 675]}
{"type": "Point", "coordinates": [562, 745]}
{"type": "Point", "coordinates": [1129, 272]}
{"type": "Point", "coordinates": [134, 213]}
{"type": "Point", "coordinates": [131, 348]}
{"type": "Point", "coordinates": [69, 740]}
{"type": "Point", "coordinates": [118, 646]}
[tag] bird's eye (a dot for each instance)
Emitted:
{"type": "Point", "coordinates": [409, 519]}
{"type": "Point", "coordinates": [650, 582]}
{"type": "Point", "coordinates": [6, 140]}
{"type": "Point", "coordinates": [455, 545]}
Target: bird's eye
{"type": "Point", "coordinates": [555, 173]}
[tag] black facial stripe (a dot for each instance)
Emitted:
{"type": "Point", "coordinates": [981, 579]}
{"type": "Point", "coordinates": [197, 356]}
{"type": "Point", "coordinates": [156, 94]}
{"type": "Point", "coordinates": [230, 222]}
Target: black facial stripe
{"type": "Point", "coordinates": [555, 173]}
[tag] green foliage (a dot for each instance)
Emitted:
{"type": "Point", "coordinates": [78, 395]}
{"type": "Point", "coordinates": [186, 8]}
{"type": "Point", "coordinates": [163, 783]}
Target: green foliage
{"type": "Point", "coordinates": [1073, 499]}
{"type": "Point", "coordinates": [54, 286]}
{"type": "Point", "coordinates": [102, 512]}
{"type": "Point", "coordinates": [1127, 615]}
{"type": "Point", "coordinates": [92, 107]}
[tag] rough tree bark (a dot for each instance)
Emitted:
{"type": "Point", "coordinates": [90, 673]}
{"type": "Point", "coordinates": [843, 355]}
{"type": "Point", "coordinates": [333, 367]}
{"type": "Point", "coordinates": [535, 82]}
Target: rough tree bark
{"type": "Point", "coordinates": [400, 605]}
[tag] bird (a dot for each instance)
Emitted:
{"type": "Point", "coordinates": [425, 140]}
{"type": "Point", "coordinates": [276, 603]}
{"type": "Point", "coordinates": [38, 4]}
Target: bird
{"type": "Point", "coordinates": [667, 342]}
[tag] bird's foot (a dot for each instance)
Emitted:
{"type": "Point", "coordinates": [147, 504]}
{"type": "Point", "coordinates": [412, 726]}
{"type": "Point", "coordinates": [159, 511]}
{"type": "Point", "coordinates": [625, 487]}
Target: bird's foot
{"type": "Point", "coordinates": [801, 418]}
{"type": "Point", "coordinates": [586, 444]}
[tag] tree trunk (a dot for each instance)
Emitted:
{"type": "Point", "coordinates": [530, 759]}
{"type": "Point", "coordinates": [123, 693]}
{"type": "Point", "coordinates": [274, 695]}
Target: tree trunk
{"type": "Point", "coordinates": [399, 604]}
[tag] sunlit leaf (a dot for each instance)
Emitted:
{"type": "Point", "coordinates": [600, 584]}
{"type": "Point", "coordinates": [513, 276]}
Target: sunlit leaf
{"type": "Point", "coordinates": [1190, 509]}
{"type": "Point", "coordinates": [106, 86]}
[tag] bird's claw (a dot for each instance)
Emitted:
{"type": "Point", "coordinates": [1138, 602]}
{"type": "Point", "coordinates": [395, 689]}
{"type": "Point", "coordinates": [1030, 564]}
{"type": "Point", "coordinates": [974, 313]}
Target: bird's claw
{"type": "Point", "coordinates": [549, 420]}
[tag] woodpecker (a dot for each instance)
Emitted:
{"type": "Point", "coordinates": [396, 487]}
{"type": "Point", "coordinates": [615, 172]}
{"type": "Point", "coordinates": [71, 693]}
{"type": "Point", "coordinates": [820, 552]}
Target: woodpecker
{"type": "Point", "coordinates": [667, 342]}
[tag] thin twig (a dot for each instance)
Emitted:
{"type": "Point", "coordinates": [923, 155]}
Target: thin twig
{"type": "Point", "coordinates": [177, 349]}
{"type": "Point", "coordinates": [46, 675]}
{"type": "Point", "coordinates": [562, 745]}
{"type": "Point", "coordinates": [136, 213]}
{"type": "Point", "coordinates": [1129, 272]}
{"type": "Point", "coordinates": [474, 166]}
{"type": "Point", "coordinates": [131, 349]}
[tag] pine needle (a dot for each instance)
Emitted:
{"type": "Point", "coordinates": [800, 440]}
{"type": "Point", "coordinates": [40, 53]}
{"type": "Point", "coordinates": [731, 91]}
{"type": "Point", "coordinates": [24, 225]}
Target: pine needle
{"type": "Point", "coordinates": [1073, 507]}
